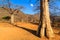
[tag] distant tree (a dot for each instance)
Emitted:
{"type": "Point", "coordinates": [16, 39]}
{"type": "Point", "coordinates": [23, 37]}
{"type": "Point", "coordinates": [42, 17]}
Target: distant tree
{"type": "Point", "coordinates": [11, 8]}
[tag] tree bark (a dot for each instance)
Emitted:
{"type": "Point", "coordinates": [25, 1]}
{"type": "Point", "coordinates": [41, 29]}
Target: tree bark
{"type": "Point", "coordinates": [41, 28]}
{"type": "Point", "coordinates": [49, 30]}
{"type": "Point", "coordinates": [12, 18]}
{"type": "Point", "coordinates": [44, 28]}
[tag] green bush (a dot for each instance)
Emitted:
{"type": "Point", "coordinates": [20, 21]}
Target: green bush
{"type": "Point", "coordinates": [6, 17]}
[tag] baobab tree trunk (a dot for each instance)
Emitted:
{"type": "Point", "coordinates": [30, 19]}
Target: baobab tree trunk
{"type": "Point", "coordinates": [45, 25]}
{"type": "Point", "coordinates": [49, 31]}
{"type": "Point", "coordinates": [41, 28]}
{"type": "Point", "coordinates": [42, 33]}
{"type": "Point", "coordinates": [12, 18]}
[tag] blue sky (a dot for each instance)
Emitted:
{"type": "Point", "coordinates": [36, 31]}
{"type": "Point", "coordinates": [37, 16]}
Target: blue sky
{"type": "Point", "coordinates": [57, 5]}
{"type": "Point", "coordinates": [29, 9]}
{"type": "Point", "coordinates": [26, 4]}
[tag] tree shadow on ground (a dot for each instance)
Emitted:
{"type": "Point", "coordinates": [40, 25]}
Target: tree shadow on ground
{"type": "Point", "coordinates": [34, 32]}
{"type": "Point", "coordinates": [29, 30]}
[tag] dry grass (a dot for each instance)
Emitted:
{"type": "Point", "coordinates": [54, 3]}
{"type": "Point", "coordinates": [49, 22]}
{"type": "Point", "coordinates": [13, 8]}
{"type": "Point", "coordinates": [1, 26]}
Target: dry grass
{"type": "Point", "coordinates": [21, 31]}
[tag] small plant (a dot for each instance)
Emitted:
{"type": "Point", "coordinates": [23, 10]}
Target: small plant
{"type": "Point", "coordinates": [6, 17]}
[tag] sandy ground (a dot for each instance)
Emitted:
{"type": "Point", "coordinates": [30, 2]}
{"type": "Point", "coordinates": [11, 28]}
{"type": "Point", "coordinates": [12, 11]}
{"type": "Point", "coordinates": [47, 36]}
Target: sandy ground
{"type": "Point", "coordinates": [21, 31]}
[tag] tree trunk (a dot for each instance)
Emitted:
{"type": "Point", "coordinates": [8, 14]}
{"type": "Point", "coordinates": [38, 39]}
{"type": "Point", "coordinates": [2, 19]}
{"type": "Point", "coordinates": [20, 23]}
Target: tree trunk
{"type": "Point", "coordinates": [44, 23]}
{"type": "Point", "coordinates": [49, 30]}
{"type": "Point", "coordinates": [12, 18]}
{"type": "Point", "coordinates": [41, 28]}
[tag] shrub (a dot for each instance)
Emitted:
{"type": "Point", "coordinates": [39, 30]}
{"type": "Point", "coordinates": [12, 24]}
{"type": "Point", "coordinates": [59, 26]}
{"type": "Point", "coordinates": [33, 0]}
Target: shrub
{"type": "Point", "coordinates": [6, 17]}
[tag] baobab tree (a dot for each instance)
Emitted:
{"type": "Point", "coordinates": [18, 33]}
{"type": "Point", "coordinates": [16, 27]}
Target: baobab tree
{"type": "Point", "coordinates": [10, 8]}
{"type": "Point", "coordinates": [44, 28]}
